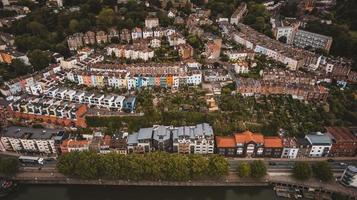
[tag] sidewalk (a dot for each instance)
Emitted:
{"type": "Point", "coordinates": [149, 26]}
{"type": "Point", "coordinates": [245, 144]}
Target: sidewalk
{"type": "Point", "coordinates": [313, 183]}
{"type": "Point", "coordinates": [296, 159]}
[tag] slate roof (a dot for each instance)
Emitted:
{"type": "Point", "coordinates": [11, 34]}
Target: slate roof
{"type": "Point", "coordinates": [319, 139]}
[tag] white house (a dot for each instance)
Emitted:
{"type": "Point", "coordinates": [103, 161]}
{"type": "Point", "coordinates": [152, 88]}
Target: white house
{"type": "Point", "coordinates": [151, 22]}
{"type": "Point", "coordinates": [320, 144]}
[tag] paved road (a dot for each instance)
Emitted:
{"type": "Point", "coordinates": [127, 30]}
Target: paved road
{"type": "Point", "coordinates": [275, 165]}
{"type": "Point", "coordinates": [284, 165]}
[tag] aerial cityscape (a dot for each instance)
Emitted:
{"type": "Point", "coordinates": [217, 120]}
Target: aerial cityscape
{"type": "Point", "coordinates": [178, 99]}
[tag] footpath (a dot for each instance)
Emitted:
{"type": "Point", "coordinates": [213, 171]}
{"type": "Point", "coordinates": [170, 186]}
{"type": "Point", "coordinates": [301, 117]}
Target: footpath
{"type": "Point", "coordinates": [232, 180]}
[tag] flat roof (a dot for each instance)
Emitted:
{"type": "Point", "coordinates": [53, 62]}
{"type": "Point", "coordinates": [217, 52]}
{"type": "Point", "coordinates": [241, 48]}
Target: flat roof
{"type": "Point", "coordinates": [30, 133]}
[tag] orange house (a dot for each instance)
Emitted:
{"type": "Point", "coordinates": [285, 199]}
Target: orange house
{"type": "Point", "coordinates": [6, 58]}
{"type": "Point", "coordinates": [169, 80]}
{"type": "Point", "coordinates": [87, 80]}
{"type": "Point", "coordinates": [273, 147]}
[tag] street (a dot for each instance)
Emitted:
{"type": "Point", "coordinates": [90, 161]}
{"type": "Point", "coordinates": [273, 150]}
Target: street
{"type": "Point", "coordinates": [286, 165]}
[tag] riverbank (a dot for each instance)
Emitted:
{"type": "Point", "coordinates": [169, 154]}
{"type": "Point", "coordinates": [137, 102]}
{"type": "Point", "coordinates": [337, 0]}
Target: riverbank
{"type": "Point", "coordinates": [54, 178]}
{"type": "Point", "coordinates": [91, 192]}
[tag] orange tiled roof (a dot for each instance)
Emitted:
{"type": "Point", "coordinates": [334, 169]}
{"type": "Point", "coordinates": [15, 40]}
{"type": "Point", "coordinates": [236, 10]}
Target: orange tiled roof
{"type": "Point", "coordinates": [248, 136]}
{"type": "Point", "coordinates": [225, 142]}
{"type": "Point", "coordinates": [107, 140]}
{"type": "Point", "coordinates": [74, 143]}
{"type": "Point", "coordinates": [273, 142]}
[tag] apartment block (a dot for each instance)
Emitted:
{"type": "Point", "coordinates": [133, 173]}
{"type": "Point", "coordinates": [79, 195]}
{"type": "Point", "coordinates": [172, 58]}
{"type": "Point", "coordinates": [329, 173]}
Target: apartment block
{"type": "Point", "coordinates": [285, 28]}
{"type": "Point", "coordinates": [304, 39]}
{"type": "Point", "coordinates": [320, 144]}
{"type": "Point", "coordinates": [29, 140]}
{"type": "Point", "coordinates": [238, 13]}
{"type": "Point", "coordinates": [197, 139]}
{"type": "Point", "coordinates": [294, 58]}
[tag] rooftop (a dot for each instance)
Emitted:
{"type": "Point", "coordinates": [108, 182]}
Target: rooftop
{"type": "Point", "coordinates": [225, 142]}
{"type": "Point", "coordinates": [340, 134]}
{"type": "Point", "coordinates": [273, 142]}
{"type": "Point", "coordinates": [248, 136]}
{"type": "Point", "coordinates": [30, 133]}
{"type": "Point", "coordinates": [145, 133]}
{"type": "Point", "coordinates": [74, 143]}
{"type": "Point", "coordinates": [319, 139]}
{"type": "Point", "coordinates": [352, 168]}
{"type": "Point", "coordinates": [133, 138]}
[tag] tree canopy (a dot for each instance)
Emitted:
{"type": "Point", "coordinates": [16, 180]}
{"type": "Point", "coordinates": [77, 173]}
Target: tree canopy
{"type": "Point", "coordinates": [258, 169]}
{"type": "Point", "coordinates": [258, 18]}
{"type": "Point", "coordinates": [243, 170]}
{"type": "Point", "coordinates": [39, 59]}
{"type": "Point", "coordinates": [106, 18]}
{"type": "Point", "coordinates": [322, 170]}
{"type": "Point", "coordinates": [302, 171]}
{"type": "Point", "coordinates": [152, 166]}
{"type": "Point", "coordinates": [9, 166]}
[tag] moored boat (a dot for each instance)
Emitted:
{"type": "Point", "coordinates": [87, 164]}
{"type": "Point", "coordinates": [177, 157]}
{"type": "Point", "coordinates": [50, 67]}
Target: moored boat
{"type": "Point", "coordinates": [6, 186]}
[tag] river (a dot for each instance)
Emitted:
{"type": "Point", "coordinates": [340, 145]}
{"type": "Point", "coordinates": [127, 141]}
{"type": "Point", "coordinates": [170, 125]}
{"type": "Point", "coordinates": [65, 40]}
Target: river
{"type": "Point", "coordinates": [76, 192]}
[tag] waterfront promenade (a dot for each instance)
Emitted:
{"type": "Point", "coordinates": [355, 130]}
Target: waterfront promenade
{"type": "Point", "coordinates": [51, 176]}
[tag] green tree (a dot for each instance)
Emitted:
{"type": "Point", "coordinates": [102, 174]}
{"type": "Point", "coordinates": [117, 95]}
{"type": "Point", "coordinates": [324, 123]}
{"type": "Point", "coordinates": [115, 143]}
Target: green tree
{"type": "Point", "coordinates": [73, 26]}
{"type": "Point", "coordinates": [37, 28]}
{"type": "Point", "coordinates": [243, 170]}
{"type": "Point", "coordinates": [84, 25]}
{"type": "Point", "coordinates": [322, 171]}
{"type": "Point", "coordinates": [218, 166]}
{"type": "Point", "coordinates": [258, 169]}
{"type": "Point", "coordinates": [151, 166]}
{"type": "Point", "coordinates": [198, 166]}
{"type": "Point", "coordinates": [39, 59]}
{"type": "Point", "coordinates": [339, 196]}
{"type": "Point", "coordinates": [18, 68]}
{"type": "Point", "coordinates": [302, 171]}
{"type": "Point", "coordinates": [106, 18]}
{"type": "Point", "coordinates": [195, 41]}
{"type": "Point", "coordinates": [9, 166]}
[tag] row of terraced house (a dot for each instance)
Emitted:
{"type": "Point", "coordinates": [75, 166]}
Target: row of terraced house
{"type": "Point", "coordinates": [166, 75]}
{"type": "Point", "coordinates": [110, 101]}
{"type": "Point", "coordinates": [299, 85]}
{"type": "Point", "coordinates": [335, 142]}
{"type": "Point", "coordinates": [49, 111]}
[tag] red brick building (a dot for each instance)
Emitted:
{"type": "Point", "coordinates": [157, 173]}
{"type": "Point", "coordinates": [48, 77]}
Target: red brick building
{"type": "Point", "coordinates": [249, 144]}
{"type": "Point", "coordinates": [273, 147]}
{"type": "Point", "coordinates": [344, 142]}
{"type": "Point", "coordinates": [79, 121]}
{"type": "Point", "coordinates": [226, 145]}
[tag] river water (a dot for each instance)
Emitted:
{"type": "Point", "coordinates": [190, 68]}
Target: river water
{"type": "Point", "coordinates": [75, 192]}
